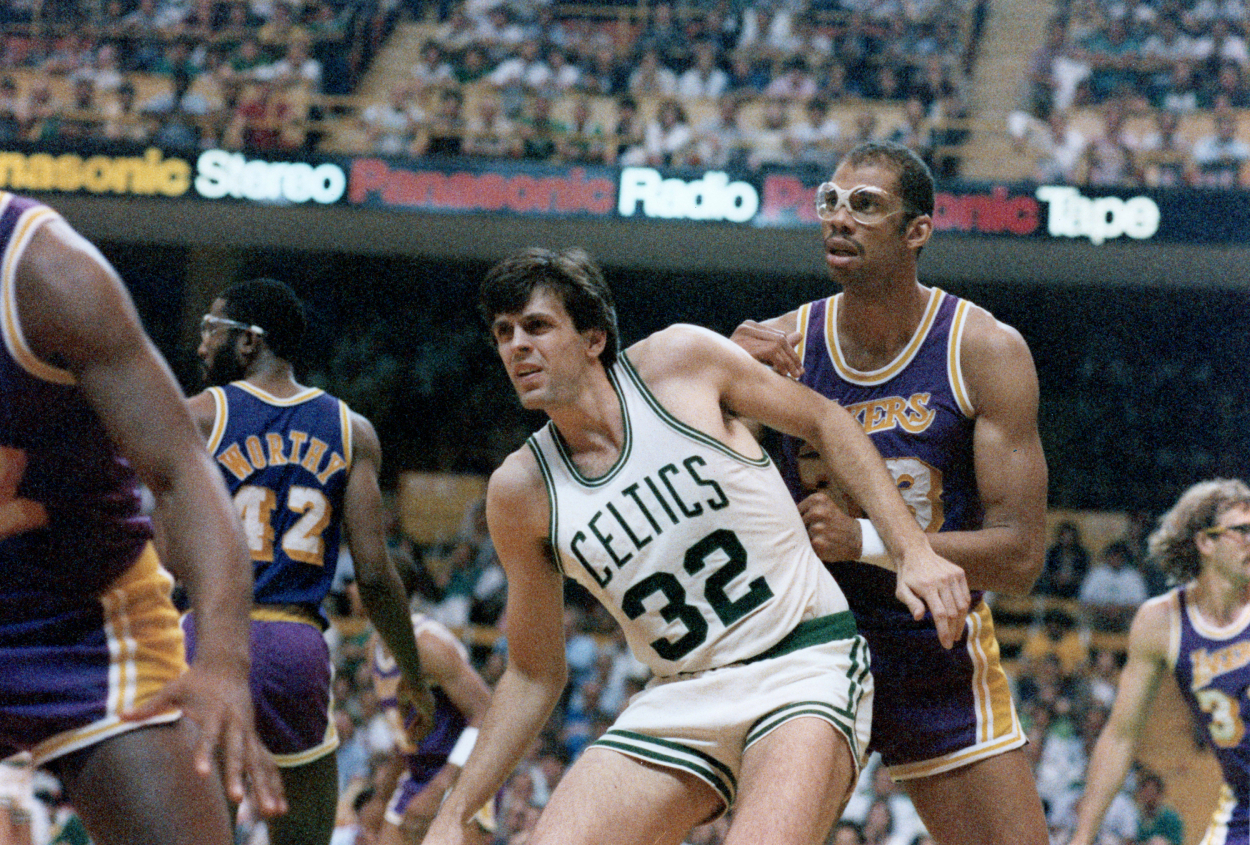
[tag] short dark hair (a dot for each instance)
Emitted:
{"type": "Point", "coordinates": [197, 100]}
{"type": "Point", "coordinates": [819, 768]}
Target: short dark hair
{"type": "Point", "coordinates": [571, 274]}
{"type": "Point", "coordinates": [274, 307]}
{"type": "Point", "coordinates": [915, 179]}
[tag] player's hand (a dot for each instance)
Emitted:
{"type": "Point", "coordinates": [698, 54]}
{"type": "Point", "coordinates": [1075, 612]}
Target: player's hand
{"type": "Point", "coordinates": [445, 831]}
{"type": "Point", "coordinates": [927, 581]}
{"type": "Point", "coordinates": [770, 346]}
{"type": "Point", "coordinates": [416, 705]}
{"type": "Point", "coordinates": [834, 535]}
{"type": "Point", "coordinates": [219, 702]}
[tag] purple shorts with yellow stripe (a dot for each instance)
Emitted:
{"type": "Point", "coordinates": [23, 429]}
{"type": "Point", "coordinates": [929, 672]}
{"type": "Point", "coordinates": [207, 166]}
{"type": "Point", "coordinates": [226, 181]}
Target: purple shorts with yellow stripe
{"type": "Point", "coordinates": [72, 665]}
{"type": "Point", "coordinates": [938, 709]}
{"type": "Point", "coordinates": [290, 681]}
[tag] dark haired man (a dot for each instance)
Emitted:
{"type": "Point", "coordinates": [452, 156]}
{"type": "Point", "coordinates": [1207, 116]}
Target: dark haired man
{"type": "Point", "coordinates": [647, 489]}
{"type": "Point", "coordinates": [949, 397]}
{"type": "Point", "coordinates": [302, 467]}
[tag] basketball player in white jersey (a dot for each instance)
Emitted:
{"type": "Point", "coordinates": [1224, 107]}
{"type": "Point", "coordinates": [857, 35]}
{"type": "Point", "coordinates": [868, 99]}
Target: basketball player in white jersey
{"type": "Point", "coordinates": [647, 489]}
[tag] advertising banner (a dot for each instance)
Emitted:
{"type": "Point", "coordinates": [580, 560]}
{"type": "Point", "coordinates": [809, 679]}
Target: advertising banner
{"type": "Point", "coordinates": [767, 199]}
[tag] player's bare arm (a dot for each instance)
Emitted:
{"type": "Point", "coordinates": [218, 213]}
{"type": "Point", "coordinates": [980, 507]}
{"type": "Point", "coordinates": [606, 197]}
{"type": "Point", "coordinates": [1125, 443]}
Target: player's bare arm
{"type": "Point", "coordinates": [1007, 553]}
{"type": "Point", "coordinates": [516, 513]}
{"type": "Point", "coordinates": [684, 363]}
{"type": "Point", "coordinates": [445, 667]}
{"type": "Point", "coordinates": [381, 591]}
{"type": "Point", "coordinates": [1139, 682]}
{"type": "Point", "coordinates": [67, 292]}
{"type": "Point", "coordinates": [773, 342]}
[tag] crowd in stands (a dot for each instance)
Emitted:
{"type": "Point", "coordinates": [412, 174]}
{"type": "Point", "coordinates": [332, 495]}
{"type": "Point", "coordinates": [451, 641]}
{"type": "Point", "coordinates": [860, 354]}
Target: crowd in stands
{"type": "Point", "coordinates": [1148, 69]}
{"type": "Point", "coordinates": [704, 84]}
{"type": "Point", "coordinates": [1064, 686]}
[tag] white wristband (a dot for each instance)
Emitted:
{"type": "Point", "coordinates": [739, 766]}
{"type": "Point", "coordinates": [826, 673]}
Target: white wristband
{"type": "Point", "coordinates": [463, 748]}
{"type": "Point", "coordinates": [871, 546]}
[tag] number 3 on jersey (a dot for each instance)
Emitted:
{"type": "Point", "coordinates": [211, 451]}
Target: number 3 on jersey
{"type": "Point", "coordinates": [727, 610]}
{"type": "Point", "coordinates": [302, 541]}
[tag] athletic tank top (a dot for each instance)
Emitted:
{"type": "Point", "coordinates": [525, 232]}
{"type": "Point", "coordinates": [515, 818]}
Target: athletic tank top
{"type": "Point", "coordinates": [430, 754]}
{"type": "Point", "coordinates": [285, 462]}
{"type": "Point", "coordinates": [70, 519]}
{"type": "Point", "coordinates": [917, 413]}
{"type": "Point", "coordinates": [682, 540]}
{"type": "Point", "coordinates": [1212, 667]}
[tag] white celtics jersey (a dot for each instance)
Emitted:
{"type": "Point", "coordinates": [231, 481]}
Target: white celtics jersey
{"type": "Point", "coordinates": [697, 550]}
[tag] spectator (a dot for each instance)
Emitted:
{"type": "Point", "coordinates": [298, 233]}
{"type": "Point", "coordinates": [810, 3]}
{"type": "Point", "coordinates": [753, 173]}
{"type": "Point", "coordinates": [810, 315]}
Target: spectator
{"type": "Point", "coordinates": [584, 141]}
{"type": "Point", "coordinates": [704, 80]}
{"type": "Point", "coordinates": [651, 77]}
{"type": "Point", "coordinates": [471, 66]}
{"type": "Point", "coordinates": [1164, 156]}
{"type": "Point", "coordinates": [719, 140]}
{"type": "Point", "coordinates": [1220, 158]}
{"type": "Point", "coordinates": [1108, 158]}
{"type": "Point", "coordinates": [264, 121]}
{"type": "Point", "coordinates": [1178, 90]}
{"type": "Point", "coordinates": [1067, 561]}
{"type": "Point", "coordinates": [815, 140]}
{"type": "Point", "coordinates": [768, 142]}
{"type": "Point", "coordinates": [391, 127]}
{"type": "Point", "coordinates": [607, 72]}
{"type": "Point", "coordinates": [1113, 56]}
{"type": "Point", "coordinates": [10, 110]}
{"type": "Point", "coordinates": [565, 76]}
{"type": "Point", "coordinates": [1057, 635]}
{"type": "Point", "coordinates": [1060, 151]}
{"type": "Point", "coordinates": [915, 131]}
{"type": "Point", "coordinates": [432, 68]}
{"type": "Point", "coordinates": [1229, 90]}
{"type": "Point", "coordinates": [491, 133]}
{"type": "Point", "coordinates": [668, 138]}
{"type": "Point", "coordinates": [1157, 823]}
{"type": "Point", "coordinates": [1113, 589]}
{"type": "Point", "coordinates": [444, 132]}
{"type": "Point", "coordinates": [540, 132]}
{"type": "Point", "coordinates": [297, 67]}
{"type": "Point", "coordinates": [628, 133]}
{"type": "Point", "coordinates": [795, 83]}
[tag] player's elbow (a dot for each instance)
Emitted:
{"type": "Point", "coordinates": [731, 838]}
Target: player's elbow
{"type": "Point", "coordinates": [1024, 568]}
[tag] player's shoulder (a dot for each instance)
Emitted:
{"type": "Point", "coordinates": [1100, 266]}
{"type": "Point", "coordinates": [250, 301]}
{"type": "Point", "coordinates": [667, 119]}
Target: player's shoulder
{"type": "Point", "coordinates": [517, 477]}
{"type": "Point", "coordinates": [1151, 629]}
{"type": "Point", "coordinates": [982, 330]}
{"type": "Point", "coordinates": [517, 498]}
{"type": "Point", "coordinates": [679, 348]}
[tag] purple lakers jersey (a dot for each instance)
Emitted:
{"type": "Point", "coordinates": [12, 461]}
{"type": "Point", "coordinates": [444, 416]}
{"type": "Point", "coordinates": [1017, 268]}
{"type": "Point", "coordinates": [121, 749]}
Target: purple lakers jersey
{"type": "Point", "coordinates": [285, 462]}
{"type": "Point", "coordinates": [430, 754]}
{"type": "Point", "coordinates": [917, 412]}
{"type": "Point", "coordinates": [70, 520]}
{"type": "Point", "coordinates": [1212, 667]}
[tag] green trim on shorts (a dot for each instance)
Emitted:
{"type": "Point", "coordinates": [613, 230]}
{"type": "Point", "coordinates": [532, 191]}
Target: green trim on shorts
{"type": "Point", "coordinates": [653, 749]}
{"type": "Point", "coordinates": [823, 629]}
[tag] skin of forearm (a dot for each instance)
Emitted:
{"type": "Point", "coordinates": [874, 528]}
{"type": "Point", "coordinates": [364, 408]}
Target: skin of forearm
{"type": "Point", "coordinates": [992, 559]}
{"type": "Point", "coordinates": [520, 706]}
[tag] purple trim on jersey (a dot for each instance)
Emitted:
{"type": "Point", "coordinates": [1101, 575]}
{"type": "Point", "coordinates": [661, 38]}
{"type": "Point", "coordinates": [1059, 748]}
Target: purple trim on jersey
{"type": "Point", "coordinates": [1219, 670]}
{"type": "Point", "coordinates": [944, 446]}
{"type": "Point", "coordinates": [95, 530]}
{"type": "Point", "coordinates": [290, 682]}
